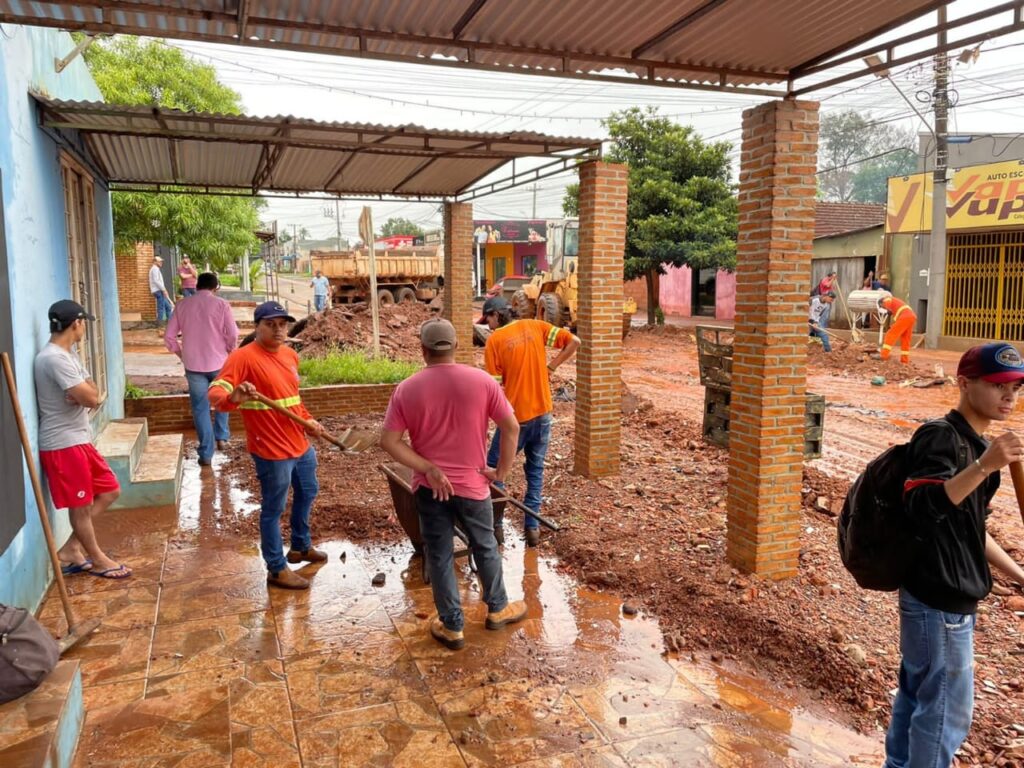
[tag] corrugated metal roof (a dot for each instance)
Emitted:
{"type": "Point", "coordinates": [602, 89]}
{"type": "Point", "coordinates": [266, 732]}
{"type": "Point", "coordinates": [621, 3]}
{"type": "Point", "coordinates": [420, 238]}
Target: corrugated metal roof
{"type": "Point", "coordinates": [720, 43]}
{"type": "Point", "coordinates": [146, 146]}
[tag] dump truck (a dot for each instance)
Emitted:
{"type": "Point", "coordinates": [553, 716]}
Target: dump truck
{"type": "Point", "coordinates": [403, 274]}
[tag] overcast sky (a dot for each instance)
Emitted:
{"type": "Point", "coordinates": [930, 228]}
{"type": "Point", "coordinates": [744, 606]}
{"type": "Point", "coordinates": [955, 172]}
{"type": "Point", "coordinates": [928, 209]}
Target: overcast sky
{"type": "Point", "coordinates": [336, 88]}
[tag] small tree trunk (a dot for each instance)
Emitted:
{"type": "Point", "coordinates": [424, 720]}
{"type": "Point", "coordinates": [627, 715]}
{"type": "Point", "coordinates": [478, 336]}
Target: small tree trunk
{"type": "Point", "coordinates": [652, 295]}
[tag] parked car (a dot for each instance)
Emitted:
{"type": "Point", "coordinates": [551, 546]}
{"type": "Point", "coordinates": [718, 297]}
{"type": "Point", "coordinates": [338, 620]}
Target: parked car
{"type": "Point", "coordinates": [507, 286]}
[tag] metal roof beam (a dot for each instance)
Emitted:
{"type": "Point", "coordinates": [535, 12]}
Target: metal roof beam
{"type": "Point", "coordinates": [243, 17]}
{"type": "Point", "coordinates": [467, 17]}
{"type": "Point", "coordinates": [561, 165]}
{"type": "Point", "coordinates": [678, 26]}
{"type": "Point", "coordinates": [419, 169]}
{"type": "Point", "coordinates": [172, 149]}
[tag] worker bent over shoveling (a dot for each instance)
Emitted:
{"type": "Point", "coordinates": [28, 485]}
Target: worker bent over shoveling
{"type": "Point", "coordinates": [901, 330]}
{"type": "Point", "coordinates": [279, 446]}
{"type": "Point", "coordinates": [445, 408]}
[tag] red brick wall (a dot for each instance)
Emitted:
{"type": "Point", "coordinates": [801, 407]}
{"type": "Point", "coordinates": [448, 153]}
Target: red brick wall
{"type": "Point", "coordinates": [776, 230]}
{"type": "Point", "coordinates": [171, 413]}
{"type": "Point", "coordinates": [458, 275]}
{"type": "Point", "coordinates": [133, 281]}
{"type": "Point", "coordinates": [603, 193]}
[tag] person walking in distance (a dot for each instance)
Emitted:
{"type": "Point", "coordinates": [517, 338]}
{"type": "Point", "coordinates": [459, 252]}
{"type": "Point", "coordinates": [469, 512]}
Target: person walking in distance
{"type": "Point", "coordinates": [164, 305]}
{"type": "Point", "coordinates": [516, 354]}
{"type": "Point", "coordinates": [279, 447]}
{"type": "Point", "coordinates": [208, 335]}
{"type": "Point", "coordinates": [79, 477]}
{"type": "Point", "coordinates": [445, 408]}
{"type": "Point", "coordinates": [321, 291]}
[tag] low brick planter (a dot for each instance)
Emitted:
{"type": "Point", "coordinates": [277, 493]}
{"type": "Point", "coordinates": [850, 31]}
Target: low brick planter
{"type": "Point", "coordinates": [171, 413]}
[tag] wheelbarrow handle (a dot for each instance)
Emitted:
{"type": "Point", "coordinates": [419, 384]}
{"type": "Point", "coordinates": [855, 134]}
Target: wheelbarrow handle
{"type": "Point", "coordinates": [525, 509]}
{"type": "Point", "coordinates": [306, 423]}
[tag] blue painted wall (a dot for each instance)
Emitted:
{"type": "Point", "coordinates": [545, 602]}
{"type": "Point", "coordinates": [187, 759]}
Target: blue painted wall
{"type": "Point", "coordinates": [34, 224]}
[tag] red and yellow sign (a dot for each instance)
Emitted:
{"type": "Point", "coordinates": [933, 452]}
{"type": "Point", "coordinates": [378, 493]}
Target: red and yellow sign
{"type": "Point", "coordinates": [980, 196]}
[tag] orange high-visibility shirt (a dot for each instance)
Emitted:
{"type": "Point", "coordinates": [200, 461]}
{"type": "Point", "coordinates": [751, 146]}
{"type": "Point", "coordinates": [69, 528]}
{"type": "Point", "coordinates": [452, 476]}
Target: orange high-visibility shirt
{"type": "Point", "coordinates": [516, 354]}
{"type": "Point", "coordinates": [896, 308]}
{"type": "Point", "coordinates": [269, 434]}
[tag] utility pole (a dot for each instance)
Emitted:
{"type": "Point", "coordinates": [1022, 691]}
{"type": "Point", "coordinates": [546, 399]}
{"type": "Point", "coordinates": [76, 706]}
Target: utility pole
{"type": "Point", "coordinates": [336, 215]}
{"type": "Point", "coordinates": [937, 251]}
{"type": "Point", "coordinates": [534, 216]}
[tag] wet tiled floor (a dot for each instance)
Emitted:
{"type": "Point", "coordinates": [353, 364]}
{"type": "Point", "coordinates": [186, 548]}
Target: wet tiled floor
{"type": "Point", "coordinates": [198, 665]}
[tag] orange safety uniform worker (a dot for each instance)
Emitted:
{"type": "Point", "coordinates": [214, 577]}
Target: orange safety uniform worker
{"type": "Point", "coordinates": [903, 321]}
{"type": "Point", "coordinates": [279, 446]}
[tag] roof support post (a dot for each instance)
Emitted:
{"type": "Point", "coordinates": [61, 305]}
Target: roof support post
{"type": "Point", "coordinates": [458, 276]}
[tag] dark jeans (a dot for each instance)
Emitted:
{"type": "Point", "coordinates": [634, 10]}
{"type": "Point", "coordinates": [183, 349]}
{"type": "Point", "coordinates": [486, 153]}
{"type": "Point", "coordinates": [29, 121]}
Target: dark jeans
{"type": "Point", "coordinates": [812, 331]}
{"type": "Point", "coordinates": [437, 524]}
{"type": "Point", "coordinates": [199, 399]}
{"type": "Point", "coordinates": [275, 477]}
{"type": "Point", "coordinates": [534, 438]}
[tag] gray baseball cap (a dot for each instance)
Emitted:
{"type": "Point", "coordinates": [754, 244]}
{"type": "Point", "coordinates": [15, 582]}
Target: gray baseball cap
{"type": "Point", "coordinates": [438, 334]}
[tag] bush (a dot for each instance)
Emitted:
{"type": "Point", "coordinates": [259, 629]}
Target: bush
{"type": "Point", "coordinates": [229, 281]}
{"type": "Point", "coordinates": [353, 368]}
{"type": "Point", "coordinates": [132, 392]}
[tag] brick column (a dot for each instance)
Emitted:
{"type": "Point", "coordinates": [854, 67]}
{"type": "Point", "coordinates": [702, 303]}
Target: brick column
{"type": "Point", "coordinates": [776, 230]}
{"type": "Point", "coordinates": [458, 275]}
{"type": "Point", "coordinates": [603, 191]}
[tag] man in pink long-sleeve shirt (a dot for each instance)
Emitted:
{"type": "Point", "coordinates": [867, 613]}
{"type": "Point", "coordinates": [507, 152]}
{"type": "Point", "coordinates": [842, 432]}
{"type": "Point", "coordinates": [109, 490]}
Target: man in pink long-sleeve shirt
{"type": "Point", "coordinates": [208, 335]}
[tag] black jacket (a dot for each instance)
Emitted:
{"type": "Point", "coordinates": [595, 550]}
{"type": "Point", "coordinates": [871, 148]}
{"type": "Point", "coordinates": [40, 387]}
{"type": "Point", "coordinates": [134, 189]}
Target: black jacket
{"type": "Point", "coordinates": [950, 573]}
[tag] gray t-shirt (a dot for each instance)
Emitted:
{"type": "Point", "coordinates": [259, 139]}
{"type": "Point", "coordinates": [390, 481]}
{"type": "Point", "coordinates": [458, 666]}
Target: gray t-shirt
{"type": "Point", "coordinates": [62, 422]}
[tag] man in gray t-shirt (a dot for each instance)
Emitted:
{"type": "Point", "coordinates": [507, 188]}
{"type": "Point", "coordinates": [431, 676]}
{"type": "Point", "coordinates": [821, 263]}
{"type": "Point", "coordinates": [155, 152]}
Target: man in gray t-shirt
{"type": "Point", "coordinates": [78, 476]}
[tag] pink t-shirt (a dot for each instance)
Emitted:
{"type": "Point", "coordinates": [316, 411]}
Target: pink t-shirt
{"type": "Point", "coordinates": [446, 409]}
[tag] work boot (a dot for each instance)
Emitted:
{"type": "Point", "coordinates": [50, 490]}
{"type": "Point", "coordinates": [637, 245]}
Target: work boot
{"type": "Point", "coordinates": [306, 556]}
{"type": "Point", "coordinates": [449, 638]}
{"type": "Point", "coordinates": [222, 445]}
{"type": "Point", "coordinates": [532, 537]}
{"type": "Point", "coordinates": [510, 614]}
{"type": "Point", "coordinates": [287, 579]}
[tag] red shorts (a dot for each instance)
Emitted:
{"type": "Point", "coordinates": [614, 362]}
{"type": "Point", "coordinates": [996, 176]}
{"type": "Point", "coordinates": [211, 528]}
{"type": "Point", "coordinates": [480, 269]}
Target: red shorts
{"type": "Point", "coordinates": [77, 475]}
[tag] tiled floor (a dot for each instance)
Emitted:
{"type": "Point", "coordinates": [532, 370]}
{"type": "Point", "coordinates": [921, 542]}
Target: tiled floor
{"type": "Point", "coordinates": [197, 664]}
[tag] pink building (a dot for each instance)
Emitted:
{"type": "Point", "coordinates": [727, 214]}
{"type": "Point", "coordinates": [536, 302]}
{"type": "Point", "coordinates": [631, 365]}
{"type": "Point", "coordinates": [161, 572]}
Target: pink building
{"type": "Point", "coordinates": [685, 292]}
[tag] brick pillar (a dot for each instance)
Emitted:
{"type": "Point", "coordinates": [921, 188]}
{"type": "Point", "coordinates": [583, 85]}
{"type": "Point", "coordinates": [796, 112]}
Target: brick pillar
{"type": "Point", "coordinates": [603, 190]}
{"type": "Point", "coordinates": [766, 428]}
{"type": "Point", "coordinates": [458, 275]}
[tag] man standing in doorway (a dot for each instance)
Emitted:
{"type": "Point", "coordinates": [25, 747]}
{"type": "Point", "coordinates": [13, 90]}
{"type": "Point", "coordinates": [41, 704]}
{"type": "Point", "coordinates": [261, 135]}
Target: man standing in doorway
{"type": "Point", "coordinates": [208, 335]}
{"type": "Point", "coordinates": [279, 446]}
{"type": "Point", "coordinates": [516, 354]}
{"type": "Point", "coordinates": [321, 290]}
{"type": "Point", "coordinates": [164, 305]}
{"type": "Point", "coordinates": [78, 476]}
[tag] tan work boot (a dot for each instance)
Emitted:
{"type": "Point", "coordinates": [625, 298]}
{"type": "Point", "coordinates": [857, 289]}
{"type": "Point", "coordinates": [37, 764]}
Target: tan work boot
{"type": "Point", "coordinates": [510, 614]}
{"type": "Point", "coordinates": [306, 556]}
{"type": "Point", "coordinates": [287, 579]}
{"type": "Point", "coordinates": [450, 639]}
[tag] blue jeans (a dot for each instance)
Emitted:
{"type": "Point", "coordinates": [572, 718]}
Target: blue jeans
{"type": "Point", "coordinates": [163, 308]}
{"type": "Point", "coordinates": [186, 292]}
{"type": "Point", "coordinates": [825, 316]}
{"type": "Point", "coordinates": [319, 302]}
{"type": "Point", "coordinates": [812, 331]}
{"type": "Point", "coordinates": [437, 525]}
{"type": "Point", "coordinates": [207, 430]}
{"type": "Point", "coordinates": [534, 438]}
{"type": "Point", "coordinates": [932, 712]}
{"type": "Point", "coordinates": [275, 476]}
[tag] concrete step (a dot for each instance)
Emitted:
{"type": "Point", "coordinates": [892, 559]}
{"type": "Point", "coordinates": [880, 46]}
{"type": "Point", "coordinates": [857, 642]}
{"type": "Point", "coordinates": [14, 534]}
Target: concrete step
{"type": "Point", "coordinates": [121, 443]}
{"type": "Point", "coordinates": [42, 727]}
{"type": "Point", "coordinates": [157, 478]}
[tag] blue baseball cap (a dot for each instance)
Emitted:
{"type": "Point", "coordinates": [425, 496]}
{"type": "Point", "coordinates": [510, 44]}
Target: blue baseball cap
{"type": "Point", "coordinates": [269, 310]}
{"type": "Point", "coordinates": [998, 363]}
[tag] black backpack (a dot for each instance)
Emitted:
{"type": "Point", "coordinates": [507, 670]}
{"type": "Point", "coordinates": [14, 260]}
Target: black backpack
{"type": "Point", "coordinates": [876, 541]}
{"type": "Point", "coordinates": [28, 653]}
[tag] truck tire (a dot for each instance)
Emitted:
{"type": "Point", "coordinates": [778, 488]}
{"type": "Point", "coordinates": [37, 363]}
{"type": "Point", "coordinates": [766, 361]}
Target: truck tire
{"type": "Point", "coordinates": [524, 306]}
{"type": "Point", "coordinates": [405, 296]}
{"type": "Point", "coordinates": [385, 297]}
{"type": "Point", "coordinates": [550, 309]}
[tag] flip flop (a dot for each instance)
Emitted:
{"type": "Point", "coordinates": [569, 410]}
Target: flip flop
{"type": "Point", "coordinates": [70, 569]}
{"type": "Point", "coordinates": [111, 573]}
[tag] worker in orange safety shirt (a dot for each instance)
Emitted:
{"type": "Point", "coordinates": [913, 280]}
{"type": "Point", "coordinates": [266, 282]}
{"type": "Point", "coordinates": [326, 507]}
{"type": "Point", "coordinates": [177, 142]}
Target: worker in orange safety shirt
{"type": "Point", "coordinates": [901, 329]}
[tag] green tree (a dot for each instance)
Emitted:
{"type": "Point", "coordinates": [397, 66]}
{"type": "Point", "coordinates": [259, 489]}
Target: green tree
{"type": "Point", "coordinates": [214, 229]}
{"type": "Point", "coordinates": [681, 209]}
{"type": "Point", "coordinates": [848, 143]}
{"type": "Point", "coordinates": [396, 225]}
{"type": "Point", "coordinates": [871, 182]}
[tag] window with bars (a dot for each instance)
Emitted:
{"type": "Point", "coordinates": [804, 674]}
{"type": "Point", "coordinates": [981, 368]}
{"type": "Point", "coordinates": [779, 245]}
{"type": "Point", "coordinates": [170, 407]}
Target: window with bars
{"type": "Point", "coordinates": [84, 264]}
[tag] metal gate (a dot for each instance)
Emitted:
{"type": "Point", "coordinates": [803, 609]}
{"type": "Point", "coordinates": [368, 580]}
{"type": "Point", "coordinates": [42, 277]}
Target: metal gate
{"type": "Point", "coordinates": [985, 286]}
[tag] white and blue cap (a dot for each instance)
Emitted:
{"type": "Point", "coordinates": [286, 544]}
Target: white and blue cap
{"type": "Point", "coordinates": [269, 310]}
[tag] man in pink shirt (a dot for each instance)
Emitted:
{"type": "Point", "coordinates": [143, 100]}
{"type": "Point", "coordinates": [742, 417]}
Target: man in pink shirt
{"type": "Point", "coordinates": [446, 409]}
{"type": "Point", "coordinates": [208, 335]}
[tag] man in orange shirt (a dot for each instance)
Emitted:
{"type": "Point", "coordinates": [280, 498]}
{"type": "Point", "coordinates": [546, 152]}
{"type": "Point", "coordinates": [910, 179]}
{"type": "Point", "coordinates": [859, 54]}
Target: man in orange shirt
{"type": "Point", "coordinates": [279, 446]}
{"type": "Point", "coordinates": [902, 328]}
{"type": "Point", "coordinates": [516, 354]}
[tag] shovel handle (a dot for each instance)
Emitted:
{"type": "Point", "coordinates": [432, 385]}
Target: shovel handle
{"type": "Point", "coordinates": [306, 423]}
{"type": "Point", "coordinates": [1017, 475]}
{"type": "Point", "coordinates": [525, 509]}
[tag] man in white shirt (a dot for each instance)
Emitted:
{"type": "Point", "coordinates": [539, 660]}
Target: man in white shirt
{"type": "Point", "coordinates": [819, 306]}
{"type": "Point", "coordinates": [321, 291]}
{"type": "Point", "coordinates": [164, 305]}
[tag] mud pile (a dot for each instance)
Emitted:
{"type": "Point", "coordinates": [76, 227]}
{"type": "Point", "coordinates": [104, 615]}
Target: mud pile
{"type": "Point", "coordinates": [848, 359]}
{"type": "Point", "coordinates": [351, 327]}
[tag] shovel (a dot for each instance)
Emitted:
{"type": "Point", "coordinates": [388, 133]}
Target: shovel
{"type": "Point", "coordinates": [350, 441]}
{"type": "Point", "coordinates": [1017, 475]}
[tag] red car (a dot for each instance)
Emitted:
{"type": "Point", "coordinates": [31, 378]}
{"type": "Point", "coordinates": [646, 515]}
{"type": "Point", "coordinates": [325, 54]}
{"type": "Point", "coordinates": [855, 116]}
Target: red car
{"type": "Point", "coordinates": [507, 285]}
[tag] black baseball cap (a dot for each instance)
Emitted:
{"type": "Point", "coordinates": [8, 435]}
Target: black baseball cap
{"type": "Point", "coordinates": [997, 362]}
{"type": "Point", "coordinates": [269, 310]}
{"type": "Point", "coordinates": [63, 313]}
{"type": "Point", "coordinates": [495, 304]}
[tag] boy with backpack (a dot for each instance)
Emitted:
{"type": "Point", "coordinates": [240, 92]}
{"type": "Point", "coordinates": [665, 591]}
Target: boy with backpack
{"type": "Point", "coordinates": [952, 475]}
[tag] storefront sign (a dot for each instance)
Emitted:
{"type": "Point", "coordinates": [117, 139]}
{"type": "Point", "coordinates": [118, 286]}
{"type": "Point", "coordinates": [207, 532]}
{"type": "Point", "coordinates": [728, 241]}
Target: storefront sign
{"type": "Point", "coordinates": [977, 197]}
{"type": "Point", "coordinates": [509, 231]}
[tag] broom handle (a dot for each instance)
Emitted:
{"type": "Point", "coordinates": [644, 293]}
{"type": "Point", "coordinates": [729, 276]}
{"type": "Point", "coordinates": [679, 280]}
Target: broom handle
{"type": "Point", "coordinates": [1017, 475]}
{"type": "Point", "coordinates": [44, 519]}
{"type": "Point", "coordinates": [299, 420]}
